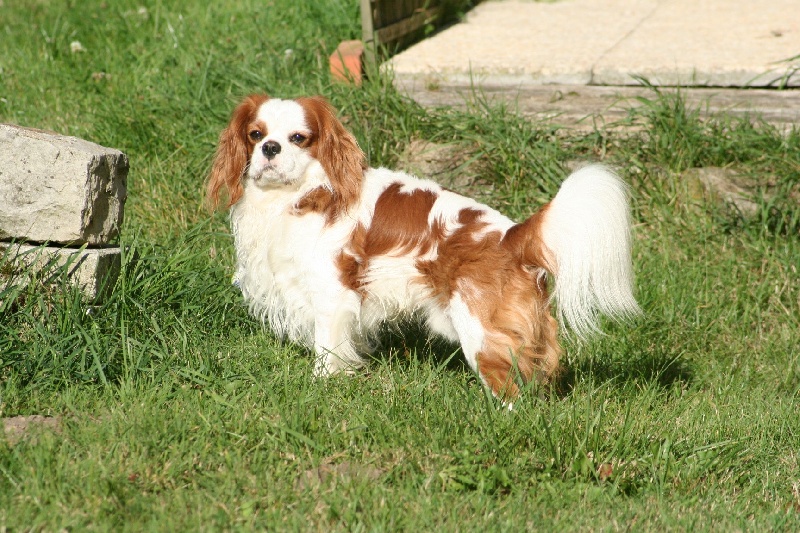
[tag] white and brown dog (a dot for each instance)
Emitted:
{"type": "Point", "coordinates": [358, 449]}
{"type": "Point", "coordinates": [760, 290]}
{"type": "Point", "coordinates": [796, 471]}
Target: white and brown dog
{"type": "Point", "coordinates": [328, 249]}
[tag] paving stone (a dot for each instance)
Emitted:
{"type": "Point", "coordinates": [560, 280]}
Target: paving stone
{"type": "Point", "coordinates": [521, 42]}
{"type": "Point", "coordinates": [719, 43]}
{"type": "Point", "coordinates": [59, 189]}
{"type": "Point", "coordinates": [612, 42]}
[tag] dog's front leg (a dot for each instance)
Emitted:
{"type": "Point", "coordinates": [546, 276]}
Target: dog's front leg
{"type": "Point", "coordinates": [333, 337]}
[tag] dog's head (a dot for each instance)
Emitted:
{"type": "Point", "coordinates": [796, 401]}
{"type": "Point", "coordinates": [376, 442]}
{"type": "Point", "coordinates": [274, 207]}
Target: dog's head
{"type": "Point", "coordinates": [276, 143]}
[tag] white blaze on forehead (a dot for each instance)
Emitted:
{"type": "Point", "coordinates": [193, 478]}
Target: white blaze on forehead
{"type": "Point", "coordinates": [282, 118]}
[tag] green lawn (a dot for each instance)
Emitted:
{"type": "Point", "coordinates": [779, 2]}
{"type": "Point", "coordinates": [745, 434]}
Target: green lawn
{"type": "Point", "coordinates": [177, 411]}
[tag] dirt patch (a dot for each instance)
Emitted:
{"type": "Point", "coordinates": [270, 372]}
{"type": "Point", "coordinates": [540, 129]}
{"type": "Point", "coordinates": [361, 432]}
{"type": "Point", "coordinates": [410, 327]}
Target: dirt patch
{"type": "Point", "coordinates": [17, 428]}
{"type": "Point", "coordinates": [343, 471]}
{"type": "Point", "coordinates": [723, 185]}
{"type": "Point", "coordinates": [451, 165]}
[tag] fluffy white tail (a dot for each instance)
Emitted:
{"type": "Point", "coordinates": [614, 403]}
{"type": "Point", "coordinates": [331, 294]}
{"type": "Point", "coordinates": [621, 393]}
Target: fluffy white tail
{"type": "Point", "coordinates": [586, 229]}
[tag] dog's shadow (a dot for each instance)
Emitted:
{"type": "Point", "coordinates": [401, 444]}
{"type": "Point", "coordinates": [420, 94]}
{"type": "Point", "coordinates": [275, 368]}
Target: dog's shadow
{"type": "Point", "coordinates": [623, 362]}
{"type": "Point", "coordinates": [612, 359]}
{"type": "Point", "coordinates": [412, 343]}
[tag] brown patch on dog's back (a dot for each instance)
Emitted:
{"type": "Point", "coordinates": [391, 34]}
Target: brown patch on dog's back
{"type": "Point", "coordinates": [400, 222]}
{"type": "Point", "coordinates": [399, 226]}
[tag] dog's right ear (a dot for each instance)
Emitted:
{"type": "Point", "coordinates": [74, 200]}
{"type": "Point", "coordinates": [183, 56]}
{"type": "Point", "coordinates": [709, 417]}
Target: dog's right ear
{"type": "Point", "coordinates": [337, 151]}
{"type": "Point", "coordinates": [233, 154]}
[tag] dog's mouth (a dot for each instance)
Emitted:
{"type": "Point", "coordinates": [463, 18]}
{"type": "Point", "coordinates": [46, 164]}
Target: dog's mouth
{"type": "Point", "coordinates": [266, 171]}
{"type": "Point", "coordinates": [270, 174]}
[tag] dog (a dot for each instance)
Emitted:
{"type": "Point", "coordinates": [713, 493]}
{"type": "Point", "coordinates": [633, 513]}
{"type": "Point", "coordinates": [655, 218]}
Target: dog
{"type": "Point", "coordinates": [329, 249]}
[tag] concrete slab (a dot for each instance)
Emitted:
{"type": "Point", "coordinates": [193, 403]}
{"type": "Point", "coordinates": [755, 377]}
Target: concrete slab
{"type": "Point", "coordinates": [721, 43]}
{"type": "Point", "coordinates": [515, 42]}
{"type": "Point", "coordinates": [610, 42]}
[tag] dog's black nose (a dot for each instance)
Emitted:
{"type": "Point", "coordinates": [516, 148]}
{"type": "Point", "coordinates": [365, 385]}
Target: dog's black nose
{"type": "Point", "coordinates": [271, 149]}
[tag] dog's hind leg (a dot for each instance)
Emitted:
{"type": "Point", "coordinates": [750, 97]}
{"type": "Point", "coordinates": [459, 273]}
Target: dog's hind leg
{"type": "Point", "coordinates": [508, 344]}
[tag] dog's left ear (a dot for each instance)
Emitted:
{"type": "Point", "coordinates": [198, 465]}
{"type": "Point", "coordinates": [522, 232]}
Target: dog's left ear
{"type": "Point", "coordinates": [233, 154]}
{"type": "Point", "coordinates": [337, 151]}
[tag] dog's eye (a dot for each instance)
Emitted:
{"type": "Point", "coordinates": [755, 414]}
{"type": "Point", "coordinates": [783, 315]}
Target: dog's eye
{"type": "Point", "coordinates": [297, 138]}
{"type": "Point", "coordinates": [255, 135]}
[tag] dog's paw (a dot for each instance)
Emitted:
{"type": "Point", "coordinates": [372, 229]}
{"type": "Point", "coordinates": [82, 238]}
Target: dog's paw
{"type": "Point", "coordinates": [330, 365]}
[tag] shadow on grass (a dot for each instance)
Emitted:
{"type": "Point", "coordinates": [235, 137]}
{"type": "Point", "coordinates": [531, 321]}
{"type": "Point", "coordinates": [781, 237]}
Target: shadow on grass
{"type": "Point", "coordinates": [404, 346]}
{"type": "Point", "coordinates": [412, 341]}
{"type": "Point", "coordinates": [660, 366]}
{"type": "Point", "coordinates": [608, 360]}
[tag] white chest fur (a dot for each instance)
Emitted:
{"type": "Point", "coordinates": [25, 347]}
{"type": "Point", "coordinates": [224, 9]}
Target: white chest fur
{"type": "Point", "coordinates": [285, 263]}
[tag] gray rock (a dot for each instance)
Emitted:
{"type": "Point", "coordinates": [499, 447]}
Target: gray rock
{"type": "Point", "coordinates": [93, 270]}
{"type": "Point", "coordinates": [59, 189]}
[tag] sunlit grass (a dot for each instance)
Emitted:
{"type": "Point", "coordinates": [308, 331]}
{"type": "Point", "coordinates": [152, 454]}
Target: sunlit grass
{"type": "Point", "coordinates": [178, 411]}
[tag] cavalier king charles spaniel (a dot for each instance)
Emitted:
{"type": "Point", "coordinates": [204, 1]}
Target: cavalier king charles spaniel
{"type": "Point", "coordinates": [328, 249]}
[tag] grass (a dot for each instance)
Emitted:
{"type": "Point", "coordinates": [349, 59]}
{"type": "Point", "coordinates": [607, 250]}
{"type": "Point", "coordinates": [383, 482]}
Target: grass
{"type": "Point", "coordinates": [177, 411]}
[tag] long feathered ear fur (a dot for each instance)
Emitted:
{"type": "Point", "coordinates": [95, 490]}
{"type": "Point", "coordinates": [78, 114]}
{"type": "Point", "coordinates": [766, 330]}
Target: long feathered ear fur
{"type": "Point", "coordinates": [232, 157]}
{"type": "Point", "coordinates": [337, 151]}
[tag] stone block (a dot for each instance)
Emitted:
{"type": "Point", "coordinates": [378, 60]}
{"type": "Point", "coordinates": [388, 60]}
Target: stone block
{"type": "Point", "coordinates": [93, 270]}
{"type": "Point", "coordinates": [59, 189]}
